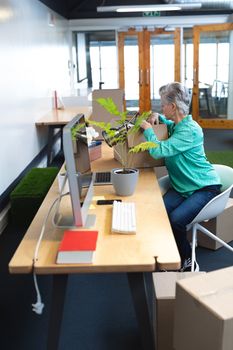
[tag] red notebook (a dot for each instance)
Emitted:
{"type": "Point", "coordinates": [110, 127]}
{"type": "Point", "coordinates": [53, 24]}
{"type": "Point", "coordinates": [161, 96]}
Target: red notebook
{"type": "Point", "coordinates": [77, 247]}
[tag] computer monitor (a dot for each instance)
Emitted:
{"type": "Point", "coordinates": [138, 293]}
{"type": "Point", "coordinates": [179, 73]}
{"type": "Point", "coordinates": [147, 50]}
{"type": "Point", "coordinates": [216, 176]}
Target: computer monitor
{"type": "Point", "coordinates": [77, 163]}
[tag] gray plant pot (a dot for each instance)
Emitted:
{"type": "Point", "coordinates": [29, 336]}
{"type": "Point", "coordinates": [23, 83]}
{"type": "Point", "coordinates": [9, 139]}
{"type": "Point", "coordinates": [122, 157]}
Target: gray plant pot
{"type": "Point", "coordinates": [124, 183]}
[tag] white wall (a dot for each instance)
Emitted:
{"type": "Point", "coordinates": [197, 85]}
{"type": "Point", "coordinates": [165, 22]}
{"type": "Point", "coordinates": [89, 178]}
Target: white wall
{"type": "Point", "coordinates": [33, 62]}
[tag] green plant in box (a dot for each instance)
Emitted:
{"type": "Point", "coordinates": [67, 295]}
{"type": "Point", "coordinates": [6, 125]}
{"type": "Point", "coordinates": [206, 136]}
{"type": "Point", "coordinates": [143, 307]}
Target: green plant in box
{"type": "Point", "coordinates": [116, 133]}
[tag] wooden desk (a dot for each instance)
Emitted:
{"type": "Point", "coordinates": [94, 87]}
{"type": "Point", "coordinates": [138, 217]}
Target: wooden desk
{"type": "Point", "coordinates": [152, 247]}
{"type": "Point", "coordinates": [57, 119]}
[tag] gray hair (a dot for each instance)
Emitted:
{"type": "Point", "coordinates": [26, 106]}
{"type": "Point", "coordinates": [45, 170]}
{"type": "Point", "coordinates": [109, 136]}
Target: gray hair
{"type": "Point", "coordinates": [178, 94]}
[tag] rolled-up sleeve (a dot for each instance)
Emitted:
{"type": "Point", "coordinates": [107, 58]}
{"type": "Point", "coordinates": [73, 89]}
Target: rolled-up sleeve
{"type": "Point", "coordinates": [179, 142]}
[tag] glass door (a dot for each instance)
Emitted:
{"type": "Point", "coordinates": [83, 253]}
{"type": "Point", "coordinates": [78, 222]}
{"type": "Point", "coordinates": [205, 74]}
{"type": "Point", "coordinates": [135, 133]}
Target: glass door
{"type": "Point", "coordinates": [147, 60]}
{"type": "Point", "coordinates": [130, 73]}
{"type": "Point", "coordinates": [164, 64]}
{"type": "Point", "coordinates": [213, 75]}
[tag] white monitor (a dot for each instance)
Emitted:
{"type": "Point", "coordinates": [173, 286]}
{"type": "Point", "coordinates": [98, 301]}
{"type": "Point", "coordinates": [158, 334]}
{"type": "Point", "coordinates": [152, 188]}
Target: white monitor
{"type": "Point", "coordinates": [78, 163]}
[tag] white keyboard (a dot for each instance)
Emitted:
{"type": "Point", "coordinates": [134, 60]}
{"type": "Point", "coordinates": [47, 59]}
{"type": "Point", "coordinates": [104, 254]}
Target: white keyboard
{"type": "Point", "coordinates": [123, 217]}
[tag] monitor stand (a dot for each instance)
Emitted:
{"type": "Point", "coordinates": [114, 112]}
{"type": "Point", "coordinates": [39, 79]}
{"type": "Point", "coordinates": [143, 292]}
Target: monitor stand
{"type": "Point", "coordinates": [90, 221]}
{"type": "Point", "coordinates": [68, 221]}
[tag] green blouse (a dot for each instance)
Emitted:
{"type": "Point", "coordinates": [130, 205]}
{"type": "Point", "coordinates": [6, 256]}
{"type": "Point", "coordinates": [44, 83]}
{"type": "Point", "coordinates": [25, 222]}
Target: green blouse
{"type": "Point", "coordinates": [185, 159]}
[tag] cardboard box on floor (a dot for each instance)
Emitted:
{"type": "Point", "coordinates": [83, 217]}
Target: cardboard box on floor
{"type": "Point", "coordinates": [163, 310]}
{"type": "Point", "coordinates": [221, 226]}
{"type": "Point", "coordinates": [203, 317]}
{"type": "Point", "coordinates": [142, 159]}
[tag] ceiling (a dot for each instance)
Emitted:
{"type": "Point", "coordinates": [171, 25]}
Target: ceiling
{"type": "Point", "coordinates": [83, 9]}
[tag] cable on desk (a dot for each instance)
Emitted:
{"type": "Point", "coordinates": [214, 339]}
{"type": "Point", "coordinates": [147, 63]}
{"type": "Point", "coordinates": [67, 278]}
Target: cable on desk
{"type": "Point", "coordinates": [38, 306]}
{"type": "Point", "coordinates": [56, 212]}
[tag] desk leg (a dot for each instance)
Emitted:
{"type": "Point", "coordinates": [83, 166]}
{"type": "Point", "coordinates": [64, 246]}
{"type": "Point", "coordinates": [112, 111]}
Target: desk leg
{"type": "Point", "coordinates": [50, 144]}
{"type": "Point", "coordinates": [56, 312]}
{"type": "Point", "coordinates": [51, 134]}
{"type": "Point", "coordinates": [138, 289]}
{"type": "Point", "coordinates": [61, 130]}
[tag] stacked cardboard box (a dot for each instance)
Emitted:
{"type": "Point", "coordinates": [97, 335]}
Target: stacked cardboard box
{"type": "Point", "coordinates": [203, 317]}
{"type": "Point", "coordinates": [163, 310]}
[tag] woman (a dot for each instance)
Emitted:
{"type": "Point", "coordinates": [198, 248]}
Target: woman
{"type": "Point", "coordinates": [193, 179]}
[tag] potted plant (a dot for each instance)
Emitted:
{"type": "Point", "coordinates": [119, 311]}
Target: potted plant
{"type": "Point", "coordinates": [124, 179]}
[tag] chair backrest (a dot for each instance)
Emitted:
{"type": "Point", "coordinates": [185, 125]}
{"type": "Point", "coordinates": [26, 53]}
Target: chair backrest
{"type": "Point", "coordinates": [214, 207]}
{"type": "Point", "coordinates": [226, 175]}
{"type": "Point", "coordinates": [164, 184]}
{"type": "Point", "coordinates": [218, 203]}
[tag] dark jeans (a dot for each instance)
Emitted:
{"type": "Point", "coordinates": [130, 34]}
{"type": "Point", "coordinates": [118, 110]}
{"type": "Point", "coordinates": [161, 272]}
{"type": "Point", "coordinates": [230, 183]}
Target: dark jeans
{"type": "Point", "coordinates": [181, 211]}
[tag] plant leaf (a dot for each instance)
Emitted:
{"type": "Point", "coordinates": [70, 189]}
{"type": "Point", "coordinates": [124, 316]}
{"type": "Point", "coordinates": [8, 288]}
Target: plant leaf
{"type": "Point", "coordinates": [109, 105]}
{"type": "Point", "coordinates": [138, 122]}
{"type": "Point", "coordinates": [104, 126]}
{"type": "Point", "coordinates": [144, 146]}
{"type": "Point", "coordinates": [112, 133]}
{"type": "Point", "coordinates": [76, 129]}
{"type": "Point", "coordinates": [123, 116]}
{"type": "Point", "coordinates": [120, 138]}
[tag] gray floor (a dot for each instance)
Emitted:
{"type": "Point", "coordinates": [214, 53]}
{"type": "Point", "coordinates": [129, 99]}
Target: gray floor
{"type": "Point", "coordinates": [99, 314]}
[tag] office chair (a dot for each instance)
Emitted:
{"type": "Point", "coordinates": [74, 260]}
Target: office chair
{"type": "Point", "coordinates": [213, 208]}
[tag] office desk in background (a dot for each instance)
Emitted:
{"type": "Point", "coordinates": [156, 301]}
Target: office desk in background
{"type": "Point", "coordinates": [57, 119]}
{"type": "Point", "coordinates": [152, 247]}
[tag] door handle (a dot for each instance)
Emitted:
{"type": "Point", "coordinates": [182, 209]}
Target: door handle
{"type": "Point", "coordinates": [140, 77]}
{"type": "Point", "coordinates": [147, 77]}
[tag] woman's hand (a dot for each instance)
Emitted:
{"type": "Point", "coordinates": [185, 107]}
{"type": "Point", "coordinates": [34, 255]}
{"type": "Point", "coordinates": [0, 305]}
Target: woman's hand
{"type": "Point", "coordinates": [153, 118]}
{"type": "Point", "coordinates": [145, 125]}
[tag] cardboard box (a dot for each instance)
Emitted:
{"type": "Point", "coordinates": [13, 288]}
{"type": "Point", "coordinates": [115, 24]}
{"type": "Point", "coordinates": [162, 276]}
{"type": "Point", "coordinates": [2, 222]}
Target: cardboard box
{"type": "Point", "coordinates": [163, 310]}
{"type": "Point", "coordinates": [99, 114]}
{"type": "Point", "coordinates": [95, 150]}
{"type": "Point", "coordinates": [221, 226]}
{"type": "Point", "coordinates": [142, 159]}
{"type": "Point", "coordinates": [203, 317]}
